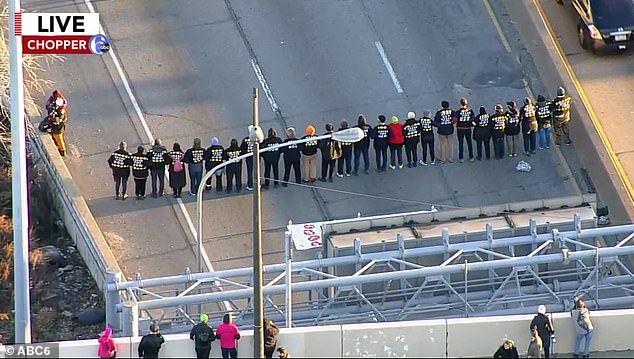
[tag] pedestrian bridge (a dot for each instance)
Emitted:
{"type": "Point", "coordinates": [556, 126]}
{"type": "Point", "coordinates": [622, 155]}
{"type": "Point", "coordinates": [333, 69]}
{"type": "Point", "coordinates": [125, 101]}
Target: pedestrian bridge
{"type": "Point", "coordinates": [462, 337]}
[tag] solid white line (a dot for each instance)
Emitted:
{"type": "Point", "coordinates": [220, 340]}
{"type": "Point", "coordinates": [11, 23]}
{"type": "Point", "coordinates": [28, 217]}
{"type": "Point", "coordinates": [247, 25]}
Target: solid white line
{"type": "Point", "coordinates": [390, 70]}
{"type": "Point", "coordinates": [265, 85]}
{"type": "Point", "coordinates": [146, 128]}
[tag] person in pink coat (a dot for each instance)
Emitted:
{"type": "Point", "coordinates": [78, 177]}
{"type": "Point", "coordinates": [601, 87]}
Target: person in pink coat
{"type": "Point", "coordinates": [107, 346]}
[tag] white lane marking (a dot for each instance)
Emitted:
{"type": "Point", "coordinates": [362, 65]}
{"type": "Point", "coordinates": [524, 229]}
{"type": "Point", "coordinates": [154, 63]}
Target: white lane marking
{"type": "Point", "coordinates": [388, 65]}
{"type": "Point", "coordinates": [497, 26]}
{"type": "Point", "coordinates": [265, 85]}
{"type": "Point", "coordinates": [146, 128]}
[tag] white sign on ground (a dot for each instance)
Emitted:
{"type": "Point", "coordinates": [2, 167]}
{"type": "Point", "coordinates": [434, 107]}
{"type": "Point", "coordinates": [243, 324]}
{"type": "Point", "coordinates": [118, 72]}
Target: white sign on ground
{"type": "Point", "coordinates": [306, 236]}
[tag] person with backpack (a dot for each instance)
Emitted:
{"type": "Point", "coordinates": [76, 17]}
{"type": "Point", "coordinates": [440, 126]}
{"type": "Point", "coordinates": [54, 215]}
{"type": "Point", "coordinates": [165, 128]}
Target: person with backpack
{"type": "Point", "coordinates": [396, 141]}
{"type": "Point", "coordinates": [195, 157]}
{"type": "Point", "coordinates": [362, 147]}
{"type": "Point", "coordinates": [120, 162]}
{"type": "Point", "coordinates": [140, 171]}
{"type": "Point", "coordinates": [150, 344]}
{"type": "Point", "coordinates": [583, 329]}
{"type": "Point", "coordinates": [213, 159]}
{"type": "Point", "coordinates": [234, 170]}
{"type": "Point", "coordinates": [380, 135]}
{"type": "Point", "coordinates": [346, 154]}
{"type": "Point", "coordinates": [158, 158]}
{"type": "Point", "coordinates": [229, 335]}
{"type": "Point", "coordinates": [330, 152]}
{"type": "Point", "coordinates": [271, 332]}
{"type": "Point", "coordinates": [271, 158]}
{"type": "Point", "coordinates": [202, 335]}
{"type": "Point", "coordinates": [178, 179]}
{"type": "Point", "coordinates": [57, 119]}
{"type": "Point", "coordinates": [107, 346]}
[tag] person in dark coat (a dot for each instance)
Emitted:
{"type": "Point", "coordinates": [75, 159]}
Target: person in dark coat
{"type": "Point", "coordinates": [507, 350]}
{"type": "Point", "coordinates": [150, 344]}
{"type": "Point", "coordinates": [140, 172]}
{"type": "Point", "coordinates": [545, 329]}
{"type": "Point", "coordinates": [203, 335]}
{"type": "Point", "coordinates": [292, 155]}
{"type": "Point", "coordinates": [512, 130]}
{"type": "Point", "coordinates": [327, 162]}
{"type": "Point", "coordinates": [346, 154]}
{"type": "Point", "coordinates": [234, 170]}
{"type": "Point", "coordinates": [120, 163]}
{"type": "Point", "coordinates": [482, 134]}
{"type": "Point", "coordinates": [271, 158]}
{"type": "Point", "coordinates": [158, 158]}
{"type": "Point", "coordinates": [362, 147]}
{"type": "Point", "coordinates": [380, 136]}
{"type": "Point", "coordinates": [213, 159]}
{"type": "Point", "coordinates": [195, 157]}
{"type": "Point", "coordinates": [271, 332]}
{"type": "Point", "coordinates": [178, 179]}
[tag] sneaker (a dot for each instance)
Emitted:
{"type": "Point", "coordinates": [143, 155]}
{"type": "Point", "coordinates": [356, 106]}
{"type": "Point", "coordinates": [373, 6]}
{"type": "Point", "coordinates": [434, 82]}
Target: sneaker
{"type": "Point", "coordinates": [515, 155]}
{"type": "Point", "coordinates": [400, 166]}
{"type": "Point", "coordinates": [433, 163]}
{"type": "Point", "coordinates": [248, 188]}
{"type": "Point", "coordinates": [142, 197]}
{"type": "Point", "coordinates": [548, 147]}
{"type": "Point", "coordinates": [117, 197]}
{"type": "Point", "coordinates": [568, 143]}
{"type": "Point", "coordinates": [422, 163]}
{"type": "Point", "coordinates": [124, 196]}
{"type": "Point", "coordinates": [510, 155]}
{"type": "Point", "coordinates": [392, 167]}
{"type": "Point", "coordinates": [461, 160]}
{"type": "Point", "coordinates": [540, 147]}
{"type": "Point", "coordinates": [471, 159]}
{"type": "Point", "coordinates": [193, 194]}
{"type": "Point", "coordinates": [339, 175]}
{"type": "Point", "coordinates": [347, 174]}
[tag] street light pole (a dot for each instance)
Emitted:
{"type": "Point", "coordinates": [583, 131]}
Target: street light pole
{"type": "Point", "coordinates": [19, 184]}
{"type": "Point", "coordinates": [258, 302]}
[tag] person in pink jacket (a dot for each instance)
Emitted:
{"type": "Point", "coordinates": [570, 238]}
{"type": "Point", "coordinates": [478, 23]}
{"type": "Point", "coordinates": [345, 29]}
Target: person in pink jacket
{"type": "Point", "coordinates": [107, 346]}
{"type": "Point", "coordinates": [228, 334]}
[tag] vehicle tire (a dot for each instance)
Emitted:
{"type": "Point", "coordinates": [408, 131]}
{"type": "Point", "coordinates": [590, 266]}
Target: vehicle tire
{"type": "Point", "coordinates": [582, 35]}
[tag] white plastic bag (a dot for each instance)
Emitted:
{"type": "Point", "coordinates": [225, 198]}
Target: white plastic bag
{"type": "Point", "coordinates": [523, 166]}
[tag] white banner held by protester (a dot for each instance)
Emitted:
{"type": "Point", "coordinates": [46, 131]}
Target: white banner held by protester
{"type": "Point", "coordinates": [306, 236]}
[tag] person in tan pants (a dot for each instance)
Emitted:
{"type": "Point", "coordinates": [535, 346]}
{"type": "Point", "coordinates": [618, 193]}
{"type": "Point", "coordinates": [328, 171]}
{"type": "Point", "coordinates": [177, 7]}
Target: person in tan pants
{"type": "Point", "coordinates": [444, 121]}
{"type": "Point", "coordinates": [309, 156]}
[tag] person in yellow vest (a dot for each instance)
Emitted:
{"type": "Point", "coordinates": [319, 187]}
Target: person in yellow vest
{"type": "Point", "coordinates": [140, 171]}
{"type": "Point", "coordinates": [58, 120]}
{"type": "Point", "coordinates": [195, 158]}
{"type": "Point", "coordinates": [561, 116]}
{"type": "Point", "coordinates": [120, 162]}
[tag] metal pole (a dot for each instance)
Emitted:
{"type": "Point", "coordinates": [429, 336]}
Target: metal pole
{"type": "Point", "coordinates": [258, 317]}
{"type": "Point", "coordinates": [19, 185]}
{"type": "Point", "coordinates": [289, 279]}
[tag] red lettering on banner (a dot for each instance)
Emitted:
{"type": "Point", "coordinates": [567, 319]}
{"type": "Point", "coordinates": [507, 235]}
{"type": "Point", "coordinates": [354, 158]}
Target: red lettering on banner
{"type": "Point", "coordinates": [75, 44]}
{"type": "Point", "coordinates": [309, 226]}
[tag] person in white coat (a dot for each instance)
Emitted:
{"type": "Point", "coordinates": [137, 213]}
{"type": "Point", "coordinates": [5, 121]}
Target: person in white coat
{"type": "Point", "coordinates": [583, 327]}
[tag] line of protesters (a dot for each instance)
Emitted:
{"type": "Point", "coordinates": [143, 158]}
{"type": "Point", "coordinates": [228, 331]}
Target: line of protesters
{"type": "Point", "coordinates": [503, 129]}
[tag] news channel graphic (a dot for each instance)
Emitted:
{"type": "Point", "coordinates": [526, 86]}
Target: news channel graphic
{"type": "Point", "coordinates": [61, 33]}
{"type": "Point", "coordinates": [39, 350]}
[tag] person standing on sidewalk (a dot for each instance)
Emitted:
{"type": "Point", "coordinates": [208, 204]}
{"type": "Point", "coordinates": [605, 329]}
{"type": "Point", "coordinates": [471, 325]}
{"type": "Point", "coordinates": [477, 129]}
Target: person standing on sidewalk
{"type": "Point", "coordinates": [178, 178]}
{"type": "Point", "coordinates": [229, 335]}
{"type": "Point", "coordinates": [512, 130]}
{"type": "Point", "coordinates": [271, 332]}
{"type": "Point", "coordinates": [195, 157]}
{"type": "Point", "coordinates": [528, 116]}
{"type": "Point", "coordinates": [140, 171]}
{"type": "Point", "coordinates": [498, 123]}
{"type": "Point", "coordinates": [362, 147]}
{"type": "Point", "coordinates": [309, 155]}
{"type": "Point", "coordinates": [561, 116]}
{"type": "Point", "coordinates": [482, 133]}
{"type": "Point", "coordinates": [213, 158]}
{"type": "Point", "coordinates": [545, 329]}
{"type": "Point", "coordinates": [158, 158]}
{"type": "Point", "coordinates": [427, 138]}
{"type": "Point", "coordinates": [247, 147]}
{"type": "Point", "coordinates": [396, 142]}
{"type": "Point", "coordinates": [346, 154]}
{"type": "Point", "coordinates": [271, 158]}
{"type": "Point", "coordinates": [465, 118]}
{"type": "Point", "coordinates": [583, 327]}
{"type": "Point", "coordinates": [202, 335]}
{"type": "Point", "coordinates": [329, 155]}
{"type": "Point", "coordinates": [544, 121]}
{"type": "Point", "coordinates": [150, 344]}
{"type": "Point", "coordinates": [234, 170]}
{"type": "Point", "coordinates": [120, 162]}
{"type": "Point", "coordinates": [380, 135]}
{"type": "Point", "coordinates": [292, 155]}
{"type": "Point", "coordinates": [412, 133]}
{"type": "Point", "coordinates": [444, 121]}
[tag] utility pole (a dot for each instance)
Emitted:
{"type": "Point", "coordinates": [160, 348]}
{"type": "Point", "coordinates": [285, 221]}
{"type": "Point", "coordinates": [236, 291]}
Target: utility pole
{"type": "Point", "coordinates": [19, 182]}
{"type": "Point", "coordinates": [258, 310]}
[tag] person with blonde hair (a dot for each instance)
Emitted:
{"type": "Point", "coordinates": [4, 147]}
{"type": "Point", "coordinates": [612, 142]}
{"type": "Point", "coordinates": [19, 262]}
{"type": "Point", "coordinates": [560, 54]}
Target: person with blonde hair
{"type": "Point", "coordinates": [535, 346]}
{"type": "Point", "coordinates": [583, 327]}
{"type": "Point", "coordinates": [292, 155]}
{"type": "Point", "coordinates": [283, 353]}
{"type": "Point", "coordinates": [507, 350]}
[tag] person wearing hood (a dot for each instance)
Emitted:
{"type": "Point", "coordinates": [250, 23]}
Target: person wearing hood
{"type": "Point", "coordinates": [330, 152]}
{"type": "Point", "coordinates": [292, 155]}
{"type": "Point", "coordinates": [271, 333]}
{"type": "Point", "coordinates": [583, 327]}
{"type": "Point", "coordinates": [561, 116]}
{"type": "Point", "coordinates": [203, 335]}
{"type": "Point", "coordinates": [234, 170]}
{"type": "Point", "coordinates": [362, 147]}
{"type": "Point", "coordinates": [544, 327]}
{"type": "Point", "coordinates": [444, 122]}
{"type": "Point", "coordinates": [107, 346]}
{"type": "Point", "coordinates": [271, 158]}
{"type": "Point", "coordinates": [150, 344]}
{"type": "Point", "coordinates": [178, 179]}
{"type": "Point", "coordinates": [482, 133]}
{"type": "Point", "coordinates": [120, 162]}
{"type": "Point", "coordinates": [427, 138]}
{"type": "Point", "coordinates": [498, 127]}
{"type": "Point", "coordinates": [158, 158]}
{"type": "Point", "coordinates": [507, 350]}
{"type": "Point", "coordinates": [512, 130]}
{"type": "Point", "coordinates": [213, 159]}
{"type": "Point", "coordinates": [346, 154]}
{"type": "Point", "coordinates": [57, 118]}
{"type": "Point", "coordinates": [412, 133]}
{"type": "Point", "coordinates": [396, 142]}
{"type": "Point", "coordinates": [247, 147]}
{"type": "Point", "coordinates": [309, 155]}
{"type": "Point", "coordinates": [140, 171]}
{"type": "Point", "coordinates": [544, 121]}
{"type": "Point", "coordinates": [380, 135]}
{"type": "Point", "coordinates": [195, 157]}
{"type": "Point", "coordinates": [465, 118]}
{"type": "Point", "coordinates": [528, 116]}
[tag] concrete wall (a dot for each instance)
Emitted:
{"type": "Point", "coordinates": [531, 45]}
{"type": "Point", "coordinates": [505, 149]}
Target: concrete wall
{"type": "Point", "coordinates": [469, 337]}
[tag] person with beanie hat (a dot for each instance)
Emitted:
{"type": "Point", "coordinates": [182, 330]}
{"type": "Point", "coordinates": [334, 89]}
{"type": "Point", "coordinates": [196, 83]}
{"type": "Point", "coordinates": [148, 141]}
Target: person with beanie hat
{"type": "Point", "coordinates": [330, 152]}
{"type": "Point", "coordinates": [544, 121]}
{"type": "Point", "coordinates": [292, 155]}
{"type": "Point", "coordinates": [362, 147]}
{"type": "Point", "coordinates": [412, 132]}
{"type": "Point", "coordinates": [561, 116]}
{"type": "Point", "coordinates": [140, 171]}
{"type": "Point", "coordinates": [150, 344]}
{"type": "Point", "coordinates": [380, 135]}
{"type": "Point", "coordinates": [195, 158]}
{"type": "Point", "coordinates": [528, 116]}
{"type": "Point", "coordinates": [247, 147]}
{"type": "Point", "coordinates": [213, 158]}
{"type": "Point", "coordinates": [444, 121]}
{"type": "Point", "coordinates": [178, 179]}
{"type": "Point", "coordinates": [498, 126]}
{"type": "Point", "coordinates": [107, 345]}
{"type": "Point", "coordinates": [396, 141]}
{"type": "Point", "coordinates": [234, 170]}
{"type": "Point", "coordinates": [309, 155]}
{"type": "Point", "coordinates": [159, 158]}
{"type": "Point", "coordinates": [544, 327]}
{"type": "Point", "coordinates": [346, 154]}
{"type": "Point", "coordinates": [271, 158]}
{"type": "Point", "coordinates": [202, 334]}
{"type": "Point", "coordinates": [465, 118]}
{"type": "Point", "coordinates": [482, 133]}
{"type": "Point", "coordinates": [427, 138]}
{"type": "Point", "coordinates": [512, 130]}
{"type": "Point", "coordinates": [120, 162]}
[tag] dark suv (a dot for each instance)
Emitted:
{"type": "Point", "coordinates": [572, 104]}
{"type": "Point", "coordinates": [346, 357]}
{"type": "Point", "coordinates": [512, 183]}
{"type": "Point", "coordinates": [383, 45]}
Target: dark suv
{"type": "Point", "coordinates": [605, 24]}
